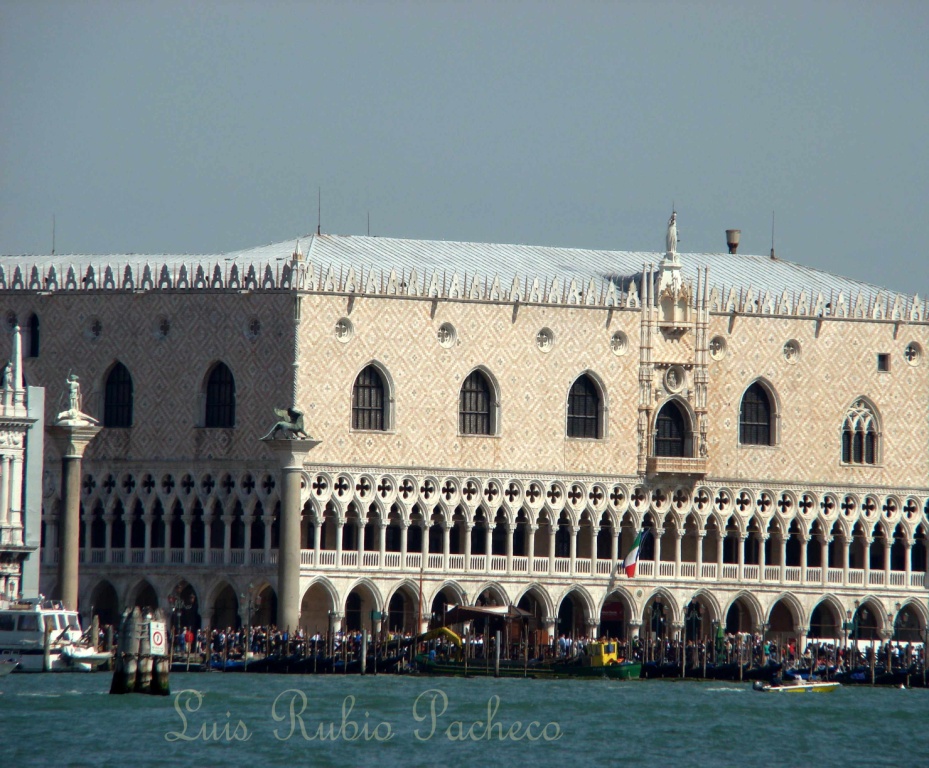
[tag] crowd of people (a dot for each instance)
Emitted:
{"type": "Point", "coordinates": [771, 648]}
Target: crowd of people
{"type": "Point", "coordinates": [230, 643]}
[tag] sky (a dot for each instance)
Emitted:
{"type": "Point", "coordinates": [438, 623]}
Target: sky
{"type": "Point", "coordinates": [178, 127]}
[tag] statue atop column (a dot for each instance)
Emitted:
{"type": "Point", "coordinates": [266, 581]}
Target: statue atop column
{"type": "Point", "coordinates": [73, 415]}
{"type": "Point", "coordinates": [290, 425]}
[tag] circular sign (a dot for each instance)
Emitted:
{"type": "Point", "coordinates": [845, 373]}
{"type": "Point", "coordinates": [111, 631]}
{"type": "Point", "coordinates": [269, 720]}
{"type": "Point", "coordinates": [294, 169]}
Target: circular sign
{"type": "Point", "coordinates": [158, 637]}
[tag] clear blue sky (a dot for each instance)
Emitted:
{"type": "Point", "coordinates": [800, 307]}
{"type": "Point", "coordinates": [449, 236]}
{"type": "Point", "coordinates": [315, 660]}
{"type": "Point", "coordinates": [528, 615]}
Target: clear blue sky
{"type": "Point", "coordinates": [154, 127]}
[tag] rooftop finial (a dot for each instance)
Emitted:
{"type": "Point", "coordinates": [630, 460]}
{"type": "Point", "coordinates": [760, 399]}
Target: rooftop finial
{"type": "Point", "coordinates": [772, 236]}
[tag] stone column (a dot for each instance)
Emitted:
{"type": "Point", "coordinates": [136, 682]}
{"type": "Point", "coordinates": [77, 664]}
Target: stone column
{"type": "Point", "coordinates": [701, 535]}
{"type": "Point", "coordinates": [147, 519]}
{"type": "Point", "coordinates": [824, 558]}
{"type": "Point", "coordinates": [510, 530]}
{"type": "Point", "coordinates": [573, 551]}
{"type": "Point", "coordinates": [782, 562]}
{"type": "Point", "coordinates": [594, 531]}
{"type": "Point", "coordinates": [247, 521]}
{"type": "Point", "coordinates": [108, 541]}
{"type": "Point", "coordinates": [72, 436]}
{"type": "Point", "coordinates": [317, 538]}
{"type": "Point", "coordinates": [803, 544]}
{"type": "Point", "coordinates": [908, 563]}
{"type": "Point", "coordinates": [888, 543]}
{"type": "Point", "coordinates": [614, 546]}
{"type": "Point", "coordinates": [550, 622]}
{"type": "Point", "coordinates": [404, 530]}
{"type": "Point", "coordinates": [381, 541]}
{"type": "Point", "coordinates": [446, 542]}
{"type": "Point", "coordinates": [489, 548]}
{"type": "Point", "coordinates": [593, 628]}
{"type": "Point", "coordinates": [530, 548]}
{"type": "Point", "coordinates": [227, 538]}
{"type": "Point", "coordinates": [552, 532]}
{"type": "Point", "coordinates": [188, 520]}
{"type": "Point", "coordinates": [866, 550]}
{"type": "Point", "coordinates": [846, 558]}
{"type": "Point", "coordinates": [339, 532]}
{"type": "Point", "coordinates": [677, 551]}
{"type": "Point", "coordinates": [291, 455]}
{"type": "Point", "coordinates": [4, 490]}
{"type": "Point", "coordinates": [743, 537]}
{"type": "Point", "coordinates": [720, 538]}
{"type": "Point", "coordinates": [659, 532]}
{"type": "Point", "coordinates": [468, 526]}
{"type": "Point", "coordinates": [762, 559]}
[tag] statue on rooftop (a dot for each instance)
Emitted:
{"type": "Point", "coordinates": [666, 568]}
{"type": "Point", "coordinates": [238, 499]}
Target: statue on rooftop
{"type": "Point", "coordinates": [671, 238]}
{"type": "Point", "coordinates": [290, 424]}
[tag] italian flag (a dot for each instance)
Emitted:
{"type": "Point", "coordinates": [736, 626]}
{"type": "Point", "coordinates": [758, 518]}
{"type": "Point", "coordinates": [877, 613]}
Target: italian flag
{"type": "Point", "coordinates": [633, 557]}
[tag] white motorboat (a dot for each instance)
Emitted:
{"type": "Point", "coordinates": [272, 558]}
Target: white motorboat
{"type": "Point", "coordinates": [28, 626]}
{"type": "Point", "coordinates": [800, 686]}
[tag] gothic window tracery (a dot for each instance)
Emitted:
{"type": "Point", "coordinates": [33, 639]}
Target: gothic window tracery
{"type": "Point", "coordinates": [860, 435]}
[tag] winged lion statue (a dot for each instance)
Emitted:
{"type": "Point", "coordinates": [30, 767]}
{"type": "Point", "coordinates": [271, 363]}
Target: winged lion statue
{"type": "Point", "coordinates": [290, 424]}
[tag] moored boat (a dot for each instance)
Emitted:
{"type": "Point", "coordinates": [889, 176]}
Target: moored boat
{"type": "Point", "coordinates": [599, 659]}
{"type": "Point", "coordinates": [46, 638]}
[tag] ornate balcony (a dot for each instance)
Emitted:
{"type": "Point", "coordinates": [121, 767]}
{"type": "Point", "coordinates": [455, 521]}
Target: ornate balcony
{"type": "Point", "coordinates": [676, 465]}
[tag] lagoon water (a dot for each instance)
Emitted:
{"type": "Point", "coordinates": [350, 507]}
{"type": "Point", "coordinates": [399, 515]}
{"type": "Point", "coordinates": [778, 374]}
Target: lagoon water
{"type": "Point", "coordinates": [255, 720]}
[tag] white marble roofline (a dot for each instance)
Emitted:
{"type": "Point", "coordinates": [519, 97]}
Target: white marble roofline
{"type": "Point", "coordinates": [462, 271]}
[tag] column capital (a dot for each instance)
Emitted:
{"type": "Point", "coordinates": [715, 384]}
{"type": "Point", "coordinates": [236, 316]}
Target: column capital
{"type": "Point", "coordinates": [550, 621]}
{"type": "Point", "coordinates": [72, 439]}
{"type": "Point", "coordinates": [291, 453]}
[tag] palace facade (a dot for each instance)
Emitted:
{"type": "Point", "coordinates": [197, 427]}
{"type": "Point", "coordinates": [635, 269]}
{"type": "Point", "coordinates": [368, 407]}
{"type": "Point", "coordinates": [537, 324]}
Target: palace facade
{"type": "Point", "coordinates": [489, 424]}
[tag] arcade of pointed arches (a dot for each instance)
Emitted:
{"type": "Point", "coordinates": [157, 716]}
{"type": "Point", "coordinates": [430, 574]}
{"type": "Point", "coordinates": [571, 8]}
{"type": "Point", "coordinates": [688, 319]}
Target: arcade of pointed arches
{"type": "Point", "coordinates": [573, 610]}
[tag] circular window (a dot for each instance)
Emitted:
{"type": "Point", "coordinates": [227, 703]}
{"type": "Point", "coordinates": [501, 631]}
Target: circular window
{"type": "Point", "coordinates": [619, 343]}
{"type": "Point", "coordinates": [545, 339]}
{"type": "Point", "coordinates": [344, 330]}
{"type": "Point", "coordinates": [913, 353]}
{"type": "Point", "coordinates": [717, 347]}
{"type": "Point", "coordinates": [447, 335]}
{"type": "Point", "coordinates": [792, 351]}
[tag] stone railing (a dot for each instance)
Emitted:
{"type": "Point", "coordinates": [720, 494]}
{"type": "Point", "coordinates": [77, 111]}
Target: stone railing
{"type": "Point", "coordinates": [581, 568]}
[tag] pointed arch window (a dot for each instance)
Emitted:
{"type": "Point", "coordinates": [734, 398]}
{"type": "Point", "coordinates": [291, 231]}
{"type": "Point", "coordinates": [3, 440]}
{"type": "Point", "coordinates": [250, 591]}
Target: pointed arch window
{"type": "Point", "coordinates": [368, 401]}
{"type": "Point", "coordinates": [671, 431]}
{"type": "Point", "coordinates": [755, 413]}
{"type": "Point", "coordinates": [584, 409]}
{"type": "Point", "coordinates": [220, 398]}
{"type": "Point", "coordinates": [117, 398]}
{"type": "Point", "coordinates": [860, 435]}
{"type": "Point", "coordinates": [475, 405]}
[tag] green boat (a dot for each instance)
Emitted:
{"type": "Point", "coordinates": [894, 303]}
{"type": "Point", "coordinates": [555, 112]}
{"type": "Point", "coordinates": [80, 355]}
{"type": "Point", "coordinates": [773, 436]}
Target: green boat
{"type": "Point", "coordinates": [599, 659]}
